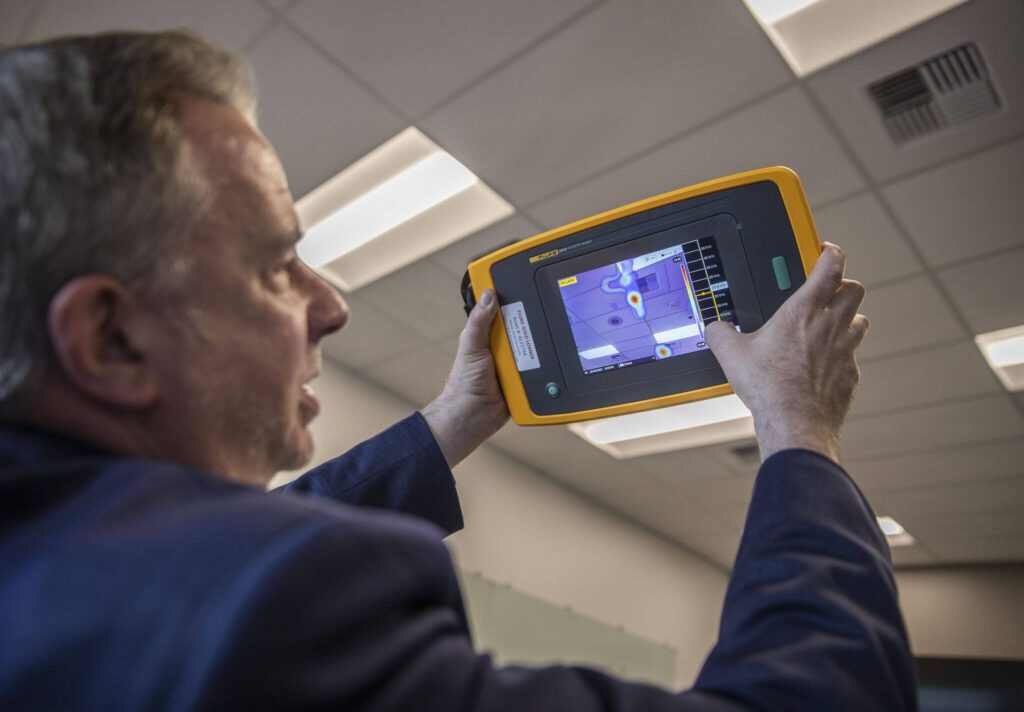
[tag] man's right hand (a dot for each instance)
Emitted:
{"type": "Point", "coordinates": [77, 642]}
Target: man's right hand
{"type": "Point", "coordinates": [797, 373]}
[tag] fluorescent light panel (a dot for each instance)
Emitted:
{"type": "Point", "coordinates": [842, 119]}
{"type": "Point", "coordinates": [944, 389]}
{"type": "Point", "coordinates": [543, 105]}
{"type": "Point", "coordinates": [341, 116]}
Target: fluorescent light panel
{"type": "Point", "coordinates": [400, 203]}
{"type": "Point", "coordinates": [812, 34]}
{"type": "Point", "coordinates": [1004, 352]}
{"type": "Point", "coordinates": [677, 334]}
{"type": "Point", "coordinates": [894, 532]}
{"type": "Point", "coordinates": [676, 427]}
{"type": "Point", "coordinates": [599, 352]}
{"type": "Point", "coordinates": [775, 10]}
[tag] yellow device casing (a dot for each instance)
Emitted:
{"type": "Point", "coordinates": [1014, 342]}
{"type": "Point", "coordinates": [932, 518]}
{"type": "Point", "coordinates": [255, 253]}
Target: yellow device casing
{"type": "Point", "coordinates": [808, 245]}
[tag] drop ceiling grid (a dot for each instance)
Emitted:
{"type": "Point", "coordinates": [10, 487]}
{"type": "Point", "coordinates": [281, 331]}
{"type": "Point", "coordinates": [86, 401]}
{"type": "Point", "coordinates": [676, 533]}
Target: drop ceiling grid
{"type": "Point", "coordinates": [232, 22]}
{"type": "Point", "coordinates": [922, 555]}
{"type": "Point", "coordinates": [595, 93]}
{"type": "Point", "coordinates": [421, 55]}
{"type": "Point", "coordinates": [875, 190]}
{"type": "Point", "coordinates": [721, 547]}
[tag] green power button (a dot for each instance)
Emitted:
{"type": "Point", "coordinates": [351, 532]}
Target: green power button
{"type": "Point", "coordinates": [781, 273]}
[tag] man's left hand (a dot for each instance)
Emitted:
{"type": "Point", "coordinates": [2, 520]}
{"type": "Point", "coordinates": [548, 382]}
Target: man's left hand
{"type": "Point", "coordinates": [471, 407]}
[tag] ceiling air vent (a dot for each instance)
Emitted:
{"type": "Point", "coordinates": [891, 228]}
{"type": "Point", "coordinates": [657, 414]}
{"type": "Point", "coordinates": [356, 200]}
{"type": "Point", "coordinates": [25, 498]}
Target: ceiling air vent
{"type": "Point", "coordinates": [747, 455]}
{"type": "Point", "coordinates": [947, 90]}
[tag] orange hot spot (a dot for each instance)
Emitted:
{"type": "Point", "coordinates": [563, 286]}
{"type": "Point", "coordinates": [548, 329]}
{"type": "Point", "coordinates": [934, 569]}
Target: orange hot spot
{"type": "Point", "coordinates": [634, 298]}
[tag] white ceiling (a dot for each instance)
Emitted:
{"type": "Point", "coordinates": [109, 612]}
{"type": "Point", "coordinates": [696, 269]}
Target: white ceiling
{"type": "Point", "coordinates": [569, 107]}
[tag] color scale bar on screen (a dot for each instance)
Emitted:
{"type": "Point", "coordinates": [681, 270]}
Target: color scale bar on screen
{"type": "Point", "coordinates": [693, 301]}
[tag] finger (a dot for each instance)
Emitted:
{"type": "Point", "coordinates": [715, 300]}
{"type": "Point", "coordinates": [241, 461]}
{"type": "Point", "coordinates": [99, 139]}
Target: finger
{"type": "Point", "coordinates": [847, 302]}
{"type": "Point", "coordinates": [858, 329]}
{"type": "Point", "coordinates": [722, 337]}
{"type": "Point", "coordinates": [476, 335]}
{"type": "Point", "coordinates": [824, 279]}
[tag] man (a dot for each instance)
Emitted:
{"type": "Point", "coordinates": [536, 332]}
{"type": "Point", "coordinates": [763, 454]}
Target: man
{"type": "Point", "coordinates": [159, 336]}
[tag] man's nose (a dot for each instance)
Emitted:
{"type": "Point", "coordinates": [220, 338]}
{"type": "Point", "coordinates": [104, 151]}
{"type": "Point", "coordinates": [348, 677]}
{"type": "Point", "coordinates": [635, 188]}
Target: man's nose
{"type": "Point", "coordinates": [328, 312]}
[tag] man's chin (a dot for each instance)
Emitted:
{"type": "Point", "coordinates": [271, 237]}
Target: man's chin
{"type": "Point", "coordinates": [297, 453]}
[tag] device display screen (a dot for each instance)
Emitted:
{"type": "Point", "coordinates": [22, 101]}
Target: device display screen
{"type": "Point", "coordinates": [646, 308]}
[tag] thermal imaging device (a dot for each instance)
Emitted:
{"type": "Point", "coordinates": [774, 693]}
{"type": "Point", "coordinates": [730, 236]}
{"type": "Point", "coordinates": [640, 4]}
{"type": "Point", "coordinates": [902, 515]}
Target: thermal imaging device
{"type": "Point", "coordinates": [606, 315]}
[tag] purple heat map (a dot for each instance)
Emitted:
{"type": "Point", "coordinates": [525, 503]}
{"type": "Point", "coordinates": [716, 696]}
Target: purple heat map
{"type": "Point", "coordinates": [635, 310]}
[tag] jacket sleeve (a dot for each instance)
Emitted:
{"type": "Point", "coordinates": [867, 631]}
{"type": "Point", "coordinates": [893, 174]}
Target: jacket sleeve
{"type": "Point", "coordinates": [811, 617]}
{"type": "Point", "coordinates": [373, 620]}
{"type": "Point", "coordinates": [401, 469]}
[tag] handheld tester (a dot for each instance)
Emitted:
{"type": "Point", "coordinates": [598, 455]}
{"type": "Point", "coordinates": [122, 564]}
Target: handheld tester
{"type": "Point", "coordinates": [606, 315]}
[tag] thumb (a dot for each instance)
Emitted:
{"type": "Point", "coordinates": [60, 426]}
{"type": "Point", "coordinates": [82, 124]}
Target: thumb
{"type": "Point", "coordinates": [722, 337]}
{"type": "Point", "coordinates": [476, 335]}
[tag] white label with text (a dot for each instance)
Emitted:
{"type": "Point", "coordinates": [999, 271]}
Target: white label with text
{"type": "Point", "coordinates": [520, 336]}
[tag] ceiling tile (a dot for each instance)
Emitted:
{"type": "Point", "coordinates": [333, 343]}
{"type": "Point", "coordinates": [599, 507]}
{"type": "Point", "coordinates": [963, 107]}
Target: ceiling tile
{"type": "Point", "coordinates": [621, 79]}
{"type": "Point", "coordinates": [742, 457]}
{"type": "Point", "coordinates": [14, 16]}
{"type": "Point", "coordinates": [681, 522]}
{"type": "Point", "coordinates": [912, 556]}
{"type": "Point", "coordinates": [963, 209]}
{"type": "Point", "coordinates": [418, 375]}
{"type": "Point", "coordinates": [682, 467]}
{"type": "Point", "coordinates": [719, 548]}
{"type": "Point", "coordinates": [994, 25]}
{"type": "Point", "coordinates": [279, 4]}
{"type": "Point", "coordinates": [318, 118]}
{"type": "Point", "coordinates": [563, 456]}
{"type": "Point", "coordinates": [875, 249]}
{"type": "Point", "coordinates": [415, 53]}
{"type": "Point", "coordinates": [990, 418]}
{"type": "Point", "coordinates": [233, 22]}
{"type": "Point", "coordinates": [423, 297]}
{"type": "Point", "coordinates": [981, 550]}
{"type": "Point", "coordinates": [938, 529]}
{"type": "Point", "coordinates": [989, 292]}
{"type": "Point", "coordinates": [456, 258]}
{"type": "Point", "coordinates": [906, 315]}
{"type": "Point", "coordinates": [781, 130]}
{"type": "Point", "coordinates": [989, 461]}
{"type": "Point", "coordinates": [929, 376]}
{"type": "Point", "coordinates": [735, 514]}
{"type": "Point", "coordinates": [673, 513]}
{"type": "Point", "coordinates": [369, 336]}
{"type": "Point", "coordinates": [729, 492]}
{"type": "Point", "coordinates": [955, 499]}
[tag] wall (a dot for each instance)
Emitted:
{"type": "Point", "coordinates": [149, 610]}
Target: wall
{"type": "Point", "coordinates": [969, 611]}
{"type": "Point", "coordinates": [526, 531]}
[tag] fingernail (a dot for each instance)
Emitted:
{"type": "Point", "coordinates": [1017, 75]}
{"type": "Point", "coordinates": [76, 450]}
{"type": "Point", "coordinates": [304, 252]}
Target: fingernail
{"type": "Point", "coordinates": [487, 297]}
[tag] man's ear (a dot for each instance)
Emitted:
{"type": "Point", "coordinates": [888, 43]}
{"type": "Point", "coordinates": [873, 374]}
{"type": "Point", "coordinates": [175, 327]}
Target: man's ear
{"type": "Point", "coordinates": [99, 333]}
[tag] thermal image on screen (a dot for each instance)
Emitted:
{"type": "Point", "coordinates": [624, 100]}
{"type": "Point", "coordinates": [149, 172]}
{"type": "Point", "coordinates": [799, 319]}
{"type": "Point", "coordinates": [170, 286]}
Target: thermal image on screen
{"type": "Point", "coordinates": [646, 308]}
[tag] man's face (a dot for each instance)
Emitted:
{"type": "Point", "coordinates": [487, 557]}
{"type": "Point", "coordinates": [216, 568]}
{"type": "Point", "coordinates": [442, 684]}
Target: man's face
{"type": "Point", "coordinates": [249, 314]}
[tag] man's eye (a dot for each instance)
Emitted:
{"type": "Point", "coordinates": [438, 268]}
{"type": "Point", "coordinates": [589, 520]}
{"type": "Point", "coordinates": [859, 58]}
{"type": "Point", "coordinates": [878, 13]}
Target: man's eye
{"type": "Point", "coordinates": [283, 272]}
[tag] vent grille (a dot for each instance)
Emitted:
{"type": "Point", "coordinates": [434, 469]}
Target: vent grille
{"type": "Point", "coordinates": [948, 90]}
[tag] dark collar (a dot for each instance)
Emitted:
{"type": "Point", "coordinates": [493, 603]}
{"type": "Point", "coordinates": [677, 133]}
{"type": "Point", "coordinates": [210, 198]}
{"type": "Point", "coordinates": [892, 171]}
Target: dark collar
{"type": "Point", "coordinates": [24, 444]}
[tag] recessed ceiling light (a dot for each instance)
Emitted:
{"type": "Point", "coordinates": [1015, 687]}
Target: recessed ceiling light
{"type": "Point", "coordinates": [1004, 351]}
{"type": "Point", "coordinates": [812, 34]}
{"type": "Point", "coordinates": [894, 532]}
{"type": "Point", "coordinates": [401, 202]}
{"type": "Point", "coordinates": [677, 427]}
{"type": "Point", "coordinates": [774, 10]}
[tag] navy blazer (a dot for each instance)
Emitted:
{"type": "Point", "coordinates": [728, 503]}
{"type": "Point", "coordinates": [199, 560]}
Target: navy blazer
{"type": "Point", "coordinates": [142, 585]}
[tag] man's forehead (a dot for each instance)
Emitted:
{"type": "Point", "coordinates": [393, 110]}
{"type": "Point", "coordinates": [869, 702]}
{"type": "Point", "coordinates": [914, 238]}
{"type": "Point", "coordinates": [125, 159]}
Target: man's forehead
{"type": "Point", "coordinates": [241, 169]}
{"type": "Point", "coordinates": [231, 147]}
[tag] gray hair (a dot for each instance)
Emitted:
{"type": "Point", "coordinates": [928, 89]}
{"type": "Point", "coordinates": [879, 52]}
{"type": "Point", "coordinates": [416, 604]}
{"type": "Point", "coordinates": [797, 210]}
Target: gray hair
{"type": "Point", "coordinates": [95, 173]}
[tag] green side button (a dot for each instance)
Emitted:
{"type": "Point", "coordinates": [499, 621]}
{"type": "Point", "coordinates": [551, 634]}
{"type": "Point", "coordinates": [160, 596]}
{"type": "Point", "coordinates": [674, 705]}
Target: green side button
{"type": "Point", "coordinates": [781, 273]}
